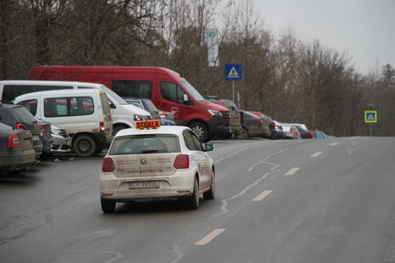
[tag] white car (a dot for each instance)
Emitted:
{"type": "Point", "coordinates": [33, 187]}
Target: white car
{"type": "Point", "coordinates": [156, 163]}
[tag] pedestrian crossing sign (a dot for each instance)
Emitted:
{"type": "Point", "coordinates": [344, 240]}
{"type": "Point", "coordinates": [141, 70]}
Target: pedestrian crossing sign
{"type": "Point", "coordinates": [232, 71]}
{"type": "Point", "coordinates": [371, 116]}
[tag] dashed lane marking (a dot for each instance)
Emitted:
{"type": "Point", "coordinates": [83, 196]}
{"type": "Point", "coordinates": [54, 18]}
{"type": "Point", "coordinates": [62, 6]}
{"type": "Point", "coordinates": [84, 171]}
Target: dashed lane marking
{"type": "Point", "coordinates": [262, 195]}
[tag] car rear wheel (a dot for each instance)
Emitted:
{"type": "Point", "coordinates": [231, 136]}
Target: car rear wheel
{"type": "Point", "coordinates": [107, 206]}
{"type": "Point", "coordinates": [84, 146]}
{"type": "Point", "coordinates": [210, 194]}
{"type": "Point", "coordinates": [193, 200]}
{"type": "Point", "coordinates": [200, 130]}
{"type": "Point", "coordinates": [244, 133]}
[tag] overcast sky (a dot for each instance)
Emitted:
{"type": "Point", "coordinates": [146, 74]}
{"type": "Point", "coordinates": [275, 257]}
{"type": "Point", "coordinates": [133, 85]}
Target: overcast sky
{"type": "Point", "coordinates": [364, 29]}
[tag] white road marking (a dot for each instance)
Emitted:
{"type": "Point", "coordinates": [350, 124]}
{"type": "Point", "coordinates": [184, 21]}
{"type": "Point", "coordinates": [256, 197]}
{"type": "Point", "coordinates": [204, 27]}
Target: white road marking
{"type": "Point", "coordinates": [292, 171]}
{"type": "Point", "coordinates": [210, 236]}
{"type": "Point", "coordinates": [316, 154]}
{"type": "Point", "coordinates": [262, 195]}
{"type": "Point", "coordinates": [333, 144]}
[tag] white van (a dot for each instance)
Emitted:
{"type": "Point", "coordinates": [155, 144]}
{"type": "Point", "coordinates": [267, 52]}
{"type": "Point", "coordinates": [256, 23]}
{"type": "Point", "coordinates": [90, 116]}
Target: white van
{"type": "Point", "coordinates": [84, 113]}
{"type": "Point", "coordinates": [124, 115]}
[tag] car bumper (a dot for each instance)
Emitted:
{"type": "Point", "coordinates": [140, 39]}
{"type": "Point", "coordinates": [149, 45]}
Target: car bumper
{"type": "Point", "coordinates": [17, 161]}
{"type": "Point", "coordinates": [178, 185]}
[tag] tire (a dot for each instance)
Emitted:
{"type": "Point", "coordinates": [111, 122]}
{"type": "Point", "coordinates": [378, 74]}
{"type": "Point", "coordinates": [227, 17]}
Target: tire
{"type": "Point", "coordinates": [210, 194]}
{"type": "Point", "coordinates": [244, 133]}
{"type": "Point", "coordinates": [84, 146]}
{"type": "Point", "coordinates": [107, 206]}
{"type": "Point", "coordinates": [193, 200]}
{"type": "Point", "coordinates": [99, 149]}
{"type": "Point", "coordinates": [200, 130]}
{"type": "Point", "coordinates": [115, 130]}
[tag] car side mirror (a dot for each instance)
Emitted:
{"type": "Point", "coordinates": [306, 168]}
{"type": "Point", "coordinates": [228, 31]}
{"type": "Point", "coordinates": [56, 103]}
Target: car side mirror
{"type": "Point", "coordinates": [208, 147]}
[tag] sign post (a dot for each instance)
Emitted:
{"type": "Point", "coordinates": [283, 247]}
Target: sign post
{"type": "Point", "coordinates": [370, 117]}
{"type": "Point", "coordinates": [233, 72]}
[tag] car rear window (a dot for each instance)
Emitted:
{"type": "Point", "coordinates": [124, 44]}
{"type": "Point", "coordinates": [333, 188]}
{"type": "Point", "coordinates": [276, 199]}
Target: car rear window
{"type": "Point", "coordinates": [137, 144]}
{"type": "Point", "coordinates": [24, 115]}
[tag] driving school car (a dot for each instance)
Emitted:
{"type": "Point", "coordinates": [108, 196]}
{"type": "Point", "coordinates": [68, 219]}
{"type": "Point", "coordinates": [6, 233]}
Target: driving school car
{"type": "Point", "coordinates": [156, 162]}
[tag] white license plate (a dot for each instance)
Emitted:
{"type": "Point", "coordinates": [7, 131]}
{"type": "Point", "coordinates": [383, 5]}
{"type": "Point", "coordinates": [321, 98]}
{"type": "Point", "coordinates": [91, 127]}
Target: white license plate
{"type": "Point", "coordinates": [27, 142]}
{"type": "Point", "coordinates": [144, 184]}
{"type": "Point", "coordinates": [36, 138]}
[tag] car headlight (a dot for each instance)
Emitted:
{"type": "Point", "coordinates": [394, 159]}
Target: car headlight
{"type": "Point", "coordinates": [56, 132]}
{"type": "Point", "coordinates": [215, 112]}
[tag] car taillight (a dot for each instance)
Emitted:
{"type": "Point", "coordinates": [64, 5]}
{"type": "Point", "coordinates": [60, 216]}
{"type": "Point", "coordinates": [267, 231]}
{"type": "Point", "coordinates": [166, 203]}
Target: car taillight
{"type": "Point", "coordinates": [42, 130]}
{"type": "Point", "coordinates": [13, 141]}
{"type": "Point", "coordinates": [102, 128]}
{"type": "Point", "coordinates": [260, 121]}
{"type": "Point", "coordinates": [181, 161]}
{"type": "Point", "coordinates": [20, 126]}
{"type": "Point", "coordinates": [311, 134]}
{"type": "Point", "coordinates": [107, 165]}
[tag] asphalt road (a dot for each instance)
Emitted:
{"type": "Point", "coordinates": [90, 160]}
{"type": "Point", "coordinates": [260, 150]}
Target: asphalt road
{"type": "Point", "coordinates": [300, 201]}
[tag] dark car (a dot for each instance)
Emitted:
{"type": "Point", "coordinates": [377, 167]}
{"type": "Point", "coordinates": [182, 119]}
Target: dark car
{"type": "Point", "coordinates": [18, 117]}
{"type": "Point", "coordinates": [305, 134]}
{"type": "Point", "coordinates": [146, 104]}
{"type": "Point", "coordinates": [252, 125]}
{"type": "Point", "coordinates": [16, 149]}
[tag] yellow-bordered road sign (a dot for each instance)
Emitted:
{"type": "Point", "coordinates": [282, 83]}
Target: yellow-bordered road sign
{"type": "Point", "coordinates": [370, 116]}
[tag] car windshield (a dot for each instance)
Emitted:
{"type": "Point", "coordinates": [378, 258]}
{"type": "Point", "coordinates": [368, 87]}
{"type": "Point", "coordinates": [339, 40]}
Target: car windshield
{"type": "Point", "coordinates": [114, 96]}
{"type": "Point", "coordinates": [194, 93]}
{"type": "Point", "coordinates": [137, 144]}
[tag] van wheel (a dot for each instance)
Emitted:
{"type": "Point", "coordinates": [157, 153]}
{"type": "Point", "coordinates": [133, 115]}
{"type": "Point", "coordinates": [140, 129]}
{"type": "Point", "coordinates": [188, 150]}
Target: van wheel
{"type": "Point", "coordinates": [84, 146]}
{"type": "Point", "coordinates": [115, 130]}
{"type": "Point", "coordinates": [200, 130]}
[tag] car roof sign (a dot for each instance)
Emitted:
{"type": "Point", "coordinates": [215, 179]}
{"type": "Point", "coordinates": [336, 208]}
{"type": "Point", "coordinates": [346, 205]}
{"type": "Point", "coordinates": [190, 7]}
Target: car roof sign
{"type": "Point", "coordinates": [149, 124]}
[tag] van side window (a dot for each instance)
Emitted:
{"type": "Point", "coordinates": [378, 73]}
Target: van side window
{"type": "Point", "coordinates": [10, 92]}
{"type": "Point", "coordinates": [63, 107]}
{"type": "Point", "coordinates": [171, 91]}
{"type": "Point", "coordinates": [30, 105]}
{"type": "Point", "coordinates": [133, 89]}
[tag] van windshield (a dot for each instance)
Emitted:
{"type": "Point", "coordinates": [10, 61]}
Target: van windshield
{"type": "Point", "coordinates": [194, 93]}
{"type": "Point", "coordinates": [114, 96]}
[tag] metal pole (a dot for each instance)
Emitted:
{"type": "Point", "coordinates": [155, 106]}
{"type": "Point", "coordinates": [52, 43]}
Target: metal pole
{"type": "Point", "coordinates": [233, 90]}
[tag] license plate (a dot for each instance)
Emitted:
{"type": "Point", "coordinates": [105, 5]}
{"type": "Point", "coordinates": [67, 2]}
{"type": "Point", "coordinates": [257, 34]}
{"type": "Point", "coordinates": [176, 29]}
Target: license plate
{"type": "Point", "coordinates": [27, 142]}
{"type": "Point", "coordinates": [36, 138]}
{"type": "Point", "coordinates": [144, 184]}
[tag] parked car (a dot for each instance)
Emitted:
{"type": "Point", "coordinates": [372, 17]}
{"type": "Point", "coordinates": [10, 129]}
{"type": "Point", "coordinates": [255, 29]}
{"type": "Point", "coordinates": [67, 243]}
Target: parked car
{"type": "Point", "coordinates": [252, 125]}
{"type": "Point", "coordinates": [46, 138]}
{"type": "Point", "coordinates": [290, 131]}
{"type": "Point", "coordinates": [320, 135]}
{"type": "Point", "coordinates": [156, 163]}
{"type": "Point", "coordinates": [235, 118]}
{"type": "Point", "coordinates": [276, 130]}
{"type": "Point", "coordinates": [16, 149]}
{"type": "Point", "coordinates": [18, 117]}
{"type": "Point", "coordinates": [146, 104]}
{"type": "Point", "coordinates": [62, 140]}
{"type": "Point", "coordinates": [304, 132]}
{"type": "Point", "coordinates": [265, 125]}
